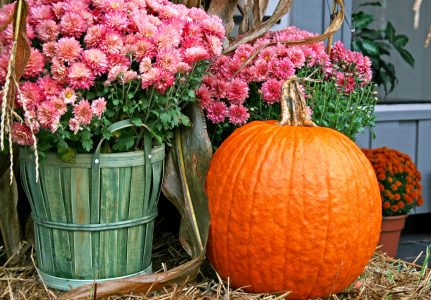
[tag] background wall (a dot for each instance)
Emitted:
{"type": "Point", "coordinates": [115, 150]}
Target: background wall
{"type": "Point", "coordinates": [414, 83]}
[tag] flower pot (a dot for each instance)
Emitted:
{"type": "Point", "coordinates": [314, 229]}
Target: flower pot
{"type": "Point", "coordinates": [93, 219]}
{"type": "Point", "coordinates": [390, 234]}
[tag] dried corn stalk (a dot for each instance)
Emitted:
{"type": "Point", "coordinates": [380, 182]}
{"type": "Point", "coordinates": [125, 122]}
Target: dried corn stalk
{"type": "Point", "coordinates": [417, 10]}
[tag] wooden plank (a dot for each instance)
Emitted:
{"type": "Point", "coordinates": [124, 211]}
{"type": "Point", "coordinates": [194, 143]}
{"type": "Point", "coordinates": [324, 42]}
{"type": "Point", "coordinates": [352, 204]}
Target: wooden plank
{"type": "Point", "coordinates": [109, 194]}
{"type": "Point", "coordinates": [424, 163]}
{"type": "Point", "coordinates": [45, 256]}
{"type": "Point", "coordinates": [136, 207]}
{"type": "Point", "coordinates": [398, 112]}
{"type": "Point", "coordinates": [81, 215]}
{"type": "Point", "coordinates": [125, 187]}
{"type": "Point", "coordinates": [57, 211]}
{"type": "Point", "coordinates": [398, 135]}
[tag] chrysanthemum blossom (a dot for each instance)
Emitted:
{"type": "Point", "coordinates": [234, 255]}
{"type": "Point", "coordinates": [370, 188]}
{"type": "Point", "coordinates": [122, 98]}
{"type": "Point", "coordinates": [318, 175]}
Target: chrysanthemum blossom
{"type": "Point", "coordinates": [32, 95]}
{"type": "Point", "coordinates": [59, 71]}
{"type": "Point", "coordinates": [238, 115]}
{"type": "Point", "coordinates": [39, 13]}
{"type": "Point", "coordinates": [165, 81]}
{"type": "Point", "coordinates": [74, 125]}
{"type": "Point", "coordinates": [168, 60]}
{"type": "Point", "coordinates": [68, 95]}
{"type": "Point", "coordinates": [49, 49]}
{"type": "Point", "coordinates": [213, 26]}
{"type": "Point", "coordinates": [296, 56]}
{"type": "Point", "coordinates": [73, 25]}
{"type": "Point", "coordinates": [129, 76]}
{"type": "Point", "coordinates": [204, 95]}
{"type": "Point", "coordinates": [116, 20]}
{"type": "Point", "coordinates": [80, 76]}
{"type": "Point", "coordinates": [217, 112]}
{"type": "Point", "coordinates": [21, 135]}
{"type": "Point", "coordinates": [94, 35]}
{"type": "Point", "coordinates": [48, 116]}
{"type": "Point", "coordinates": [168, 36]}
{"type": "Point", "coordinates": [35, 64]}
{"type": "Point", "coordinates": [150, 77]}
{"type": "Point", "coordinates": [96, 60]}
{"type": "Point", "coordinates": [59, 105]}
{"type": "Point", "coordinates": [271, 90]}
{"type": "Point", "coordinates": [194, 54]}
{"type": "Point", "coordinates": [219, 88]}
{"type": "Point", "coordinates": [98, 107]}
{"type": "Point", "coordinates": [215, 45]}
{"type": "Point", "coordinates": [282, 69]}
{"type": "Point", "coordinates": [68, 49]}
{"type": "Point", "coordinates": [237, 91]}
{"type": "Point", "coordinates": [112, 43]}
{"type": "Point", "coordinates": [51, 88]}
{"type": "Point", "coordinates": [83, 112]}
{"type": "Point", "coordinates": [144, 48]}
{"type": "Point", "coordinates": [116, 72]}
{"type": "Point", "coordinates": [47, 30]}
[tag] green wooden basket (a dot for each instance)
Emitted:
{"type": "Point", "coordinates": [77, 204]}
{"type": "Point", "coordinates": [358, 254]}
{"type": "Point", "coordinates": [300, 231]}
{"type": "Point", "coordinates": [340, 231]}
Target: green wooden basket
{"type": "Point", "coordinates": [94, 219]}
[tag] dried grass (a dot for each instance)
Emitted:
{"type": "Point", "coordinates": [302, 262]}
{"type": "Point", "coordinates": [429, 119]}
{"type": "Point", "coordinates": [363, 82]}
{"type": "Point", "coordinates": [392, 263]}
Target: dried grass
{"type": "Point", "coordinates": [383, 278]}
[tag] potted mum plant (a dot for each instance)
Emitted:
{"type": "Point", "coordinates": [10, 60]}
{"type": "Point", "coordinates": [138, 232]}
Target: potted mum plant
{"type": "Point", "coordinates": [246, 85]}
{"type": "Point", "coordinates": [400, 189]}
{"type": "Point", "coordinates": [102, 92]}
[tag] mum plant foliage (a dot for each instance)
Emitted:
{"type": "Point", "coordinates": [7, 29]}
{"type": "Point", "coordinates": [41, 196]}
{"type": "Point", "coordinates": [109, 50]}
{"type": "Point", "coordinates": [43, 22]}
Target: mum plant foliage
{"type": "Point", "coordinates": [96, 62]}
{"type": "Point", "coordinates": [399, 180]}
{"type": "Point", "coordinates": [246, 85]}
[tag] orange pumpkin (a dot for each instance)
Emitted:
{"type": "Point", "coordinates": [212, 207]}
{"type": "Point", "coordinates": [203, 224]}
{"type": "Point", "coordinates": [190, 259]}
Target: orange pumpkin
{"type": "Point", "coordinates": [293, 208]}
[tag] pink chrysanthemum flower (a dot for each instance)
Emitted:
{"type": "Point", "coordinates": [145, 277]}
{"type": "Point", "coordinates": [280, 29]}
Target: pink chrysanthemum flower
{"type": "Point", "coordinates": [74, 125]}
{"type": "Point", "coordinates": [165, 81]}
{"type": "Point", "coordinates": [47, 30]}
{"type": "Point", "coordinates": [237, 91]}
{"type": "Point", "coordinates": [82, 112]}
{"type": "Point", "coordinates": [184, 67]}
{"type": "Point", "coordinates": [168, 36]}
{"type": "Point", "coordinates": [21, 135]}
{"type": "Point", "coordinates": [59, 105]}
{"type": "Point", "coordinates": [30, 117]}
{"type": "Point", "coordinates": [243, 52]}
{"type": "Point", "coordinates": [48, 116]}
{"type": "Point", "coordinates": [271, 90]}
{"type": "Point", "coordinates": [260, 70]}
{"type": "Point", "coordinates": [238, 115]}
{"type": "Point", "coordinates": [168, 60]}
{"type": "Point", "coordinates": [80, 76]}
{"type": "Point", "coordinates": [68, 49]}
{"type": "Point", "coordinates": [282, 69]}
{"type": "Point", "coordinates": [49, 49]}
{"type": "Point", "coordinates": [32, 94]}
{"type": "Point", "coordinates": [112, 43]}
{"type": "Point", "coordinates": [219, 88]}
{"type": "Point", "coordinates": [39, 13]}
{"type": "Point", "coordinates": [59, 70]}
{"type": "Point", "coordinates": [268, 53]}
{"type": "Point", "coordinates": [215, 45]}
{"type": "Point", "coordinates": [150, 77]}
{"type": "Point", "coordinates": [212, 25]}
{"type": "Point", "coordinates": [145, 65]}
{"type": "Point", "coordinates": [35, 64]}
{"type": "Point", "coordinates": [144, 48]}
{"type": "Point", "coordinates": [296, 56]}
{"type": "Point", "coordinates": [96, 60]}
{"type": "Point", "coordinates": [197, 14]}
{"type": "Point", "coordinates": [129, 76]}
{"type": "Point", "coordinates": [118, 59]}
{"type": "Point", "coordinates": [204, 95]}
{"type": "Point", "coordinates": [217, 112]}
{"type": "Point", "coordinates": [116, 20]}
{"type": "Point", "coordinates": [51, 88]}
{"type": "Point", "coordinates": [94, 35]}
{"type": "Point", "coordinates": [68, 95]}
{"type": "Point", "coordinates": [195, 54]}
{"type": "Point", "coordinates": [98, 107]}
{"type": "Point", "coordinates": [116, 72]}
{"type": "Point", "coordinates": [73, 25]}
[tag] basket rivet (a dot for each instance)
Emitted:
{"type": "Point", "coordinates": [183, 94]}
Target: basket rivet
{"type": "Point", "coordinates": [96, 161]}
{"type": "Point", "coordinates": [149, 156]}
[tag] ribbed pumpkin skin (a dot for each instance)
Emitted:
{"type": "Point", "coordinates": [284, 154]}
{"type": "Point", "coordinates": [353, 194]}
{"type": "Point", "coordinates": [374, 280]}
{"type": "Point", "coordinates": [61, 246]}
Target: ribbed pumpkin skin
{"type": "Point", "coordinates": [292, 208]}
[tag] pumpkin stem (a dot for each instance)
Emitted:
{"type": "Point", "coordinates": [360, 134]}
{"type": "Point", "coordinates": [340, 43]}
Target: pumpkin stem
{"type": "Point", "coordinates": [293, 106]}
